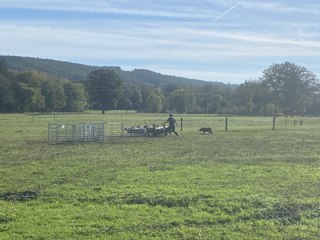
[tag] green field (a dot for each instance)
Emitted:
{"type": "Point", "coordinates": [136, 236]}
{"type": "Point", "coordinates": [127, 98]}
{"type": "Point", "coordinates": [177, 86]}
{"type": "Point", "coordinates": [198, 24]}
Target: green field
{"type": "Point", "coordinates": [245, 183]}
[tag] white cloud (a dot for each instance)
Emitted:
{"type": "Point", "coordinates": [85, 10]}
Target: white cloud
{"type": "Point", "coordinates": [143, 38]}
{"type": "Point", "coordinates": [186, 9]}
{"type": "Point", "coordinates": [147, 42]}
{"type": "Point", "coordinates": [284, 6]}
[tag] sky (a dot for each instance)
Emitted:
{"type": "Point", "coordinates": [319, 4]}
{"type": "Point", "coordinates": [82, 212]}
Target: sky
{"type": "Point", "coordinates": [228, 41]}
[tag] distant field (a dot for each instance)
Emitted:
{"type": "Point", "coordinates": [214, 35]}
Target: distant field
{"type": "Point", "coordinates": [245, 183]}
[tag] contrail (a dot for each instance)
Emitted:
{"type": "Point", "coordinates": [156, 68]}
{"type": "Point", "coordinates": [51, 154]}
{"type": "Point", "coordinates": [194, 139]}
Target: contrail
{"type": "Point", "coordinates": [225, 12]}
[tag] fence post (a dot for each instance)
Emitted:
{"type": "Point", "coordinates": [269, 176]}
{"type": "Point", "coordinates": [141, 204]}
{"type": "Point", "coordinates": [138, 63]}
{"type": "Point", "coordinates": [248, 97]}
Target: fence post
{"type": "Point", "coordinates": [122, 130]}
{"type": "Point", "coordinates": [301, 122]}
{"type": "Point", "coordinates": [226, 124]}
{"type": "Point", "coordinates": [273, 123]}
{"type": "Point", "coordinates": [74, 134]}
{"type": "Point", "coordinates": [181, 122]}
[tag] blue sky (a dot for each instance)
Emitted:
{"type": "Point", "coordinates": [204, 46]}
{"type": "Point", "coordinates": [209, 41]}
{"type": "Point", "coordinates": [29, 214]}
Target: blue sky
{"type": "Point", "coordinates": [215, 40]}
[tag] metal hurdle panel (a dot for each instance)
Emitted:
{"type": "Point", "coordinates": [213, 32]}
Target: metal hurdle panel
{"type": "Point", "coordinates": [74, 133]}
{"type": "Point", "coordinates": [62, 133]}
{"type": "Point", "coordinates": [114, 129]}
{"type": "Point", "coordinates": [91, 132]}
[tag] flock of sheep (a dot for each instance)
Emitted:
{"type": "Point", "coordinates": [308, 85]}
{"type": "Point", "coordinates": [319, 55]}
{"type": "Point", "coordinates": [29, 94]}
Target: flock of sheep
{"type": "Point", "coordinates": [155, 131]}
{"type": "Point", "coordinates": [146, 130]}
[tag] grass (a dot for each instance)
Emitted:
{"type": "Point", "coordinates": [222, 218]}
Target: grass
{"type": "Point", "coordinates": [245, 183]}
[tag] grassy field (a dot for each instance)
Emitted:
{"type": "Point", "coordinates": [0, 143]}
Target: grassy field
{"type": "Point", "coordinates": [245, 183]}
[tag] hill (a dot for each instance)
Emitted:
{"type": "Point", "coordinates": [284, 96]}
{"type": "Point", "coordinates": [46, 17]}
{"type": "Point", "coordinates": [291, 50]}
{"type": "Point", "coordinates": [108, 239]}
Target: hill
{"type": "Point", "coordinates": [79, 72]}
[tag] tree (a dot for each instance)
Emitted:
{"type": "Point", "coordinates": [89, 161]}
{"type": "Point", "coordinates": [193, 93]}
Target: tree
{"type": "Point", "coordinates": [28, 92]}
{"type": "Point", "coordinates": [3, 66]}
{"type": "Point", "coordinates": [154, 104]}
{"type": "Point", "coordinates": [182, 100]}
{"type": "Point", "coordinates": [53, 91]}
{"type": "Point", "coordinates": [125, 100]}
{"type": "Point", "coordinates": [105, 88]}
{"type": "Point", "coordinates": [76, 97]}
{"type": "Point", "coordinates": [7, 99]}
{"type": "Point", "coordinates": [7, 95]}
{"type": "Point", "coordinates": [314, 106]}
{"type": "Point", "coordinates": [131, 98]}
{"type": "Point", "coordinates": [291, 86]}
{"type": "Point", "coordinates": [151, 99]}
{"type": "Point", "coordinates": [136, 99]}
{"type": "Point", "coordinates": [251, 97]}
{"type": "Point", "coordinates": [170, 88]}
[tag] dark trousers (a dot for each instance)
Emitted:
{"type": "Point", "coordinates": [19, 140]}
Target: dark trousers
{"type": "Point", "coordinates": [170, 129]}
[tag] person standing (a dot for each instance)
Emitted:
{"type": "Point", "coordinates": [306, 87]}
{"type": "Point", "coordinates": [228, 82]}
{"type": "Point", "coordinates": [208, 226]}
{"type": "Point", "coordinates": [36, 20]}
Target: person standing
{"type": "Point", "coordinates": [172, 122]}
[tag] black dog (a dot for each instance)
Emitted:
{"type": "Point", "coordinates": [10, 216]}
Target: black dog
{"type": "Point", "coordinates": [206, 130]}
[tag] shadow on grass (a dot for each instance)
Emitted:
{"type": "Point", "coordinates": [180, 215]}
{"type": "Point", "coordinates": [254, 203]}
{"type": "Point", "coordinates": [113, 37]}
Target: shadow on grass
{"type": "Point", "coordinates": [19, 196]}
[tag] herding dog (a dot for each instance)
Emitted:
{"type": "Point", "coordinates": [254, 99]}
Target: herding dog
{"type": "Point", "coordinates": [206, 130]}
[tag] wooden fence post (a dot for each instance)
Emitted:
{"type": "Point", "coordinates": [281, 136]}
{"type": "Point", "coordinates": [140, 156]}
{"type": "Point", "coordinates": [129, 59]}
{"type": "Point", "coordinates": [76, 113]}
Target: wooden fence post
{"type": "Point", "coordinates": [226, 124]}
{"type": "Point", "coordinates": [122, 130]}
{"type": "Point", "coordinates": [301, 122]}
{"type": "Point", "coordinates": [273, 123]}
{"type": "Point", "coordinates": [181, 122]}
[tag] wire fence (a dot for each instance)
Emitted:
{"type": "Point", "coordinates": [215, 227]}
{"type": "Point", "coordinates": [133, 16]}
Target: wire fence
{"type": "Point", "coordinates": [189, 120]}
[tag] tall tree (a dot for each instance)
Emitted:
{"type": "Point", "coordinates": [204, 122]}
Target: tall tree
{"type": "Point", "coordinates": [291, 85]}
{"type": "Point", "coordinates": [182, 100]}
{"type": "Point", "coordinates": [6, 91]}
{"type": "Point", "coordinates": [251, 97]}
{"type": "Point", "coordinates": [313, 107]}
{"type": "Point", "coordinates": [151, 99]}
{"type": "Point", "coordinates": [7, 94]}
{"type": "Point", "coordinates": [153, 104]}
{"type": "Point", "coordinates": [105, 88]}
{"type": "Point", "coordinates": [136, 99]}
{"type": "Point", "coordinates": [125, 100]}
{"type": "Point", "coordinates": [28, 92]}
{"type": "Point", "coordinates": [3, 66]}
{"type": "Point", "coordinates": [53, 91]}
{"type": "Point", "coordinates": [131, 98]}
{"type": "Point", "coordinates": [76, 97]}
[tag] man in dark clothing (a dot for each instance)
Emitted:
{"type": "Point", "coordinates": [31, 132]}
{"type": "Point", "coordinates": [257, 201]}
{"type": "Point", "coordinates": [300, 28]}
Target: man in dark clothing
{"type": "Point", "coordinates": [172, 123]}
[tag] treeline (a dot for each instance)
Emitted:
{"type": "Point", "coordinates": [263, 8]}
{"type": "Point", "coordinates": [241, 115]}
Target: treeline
{"type": "Point", "coordinates": [284, 88]}
{"type": "Point", "coordinates": [37, 92]}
